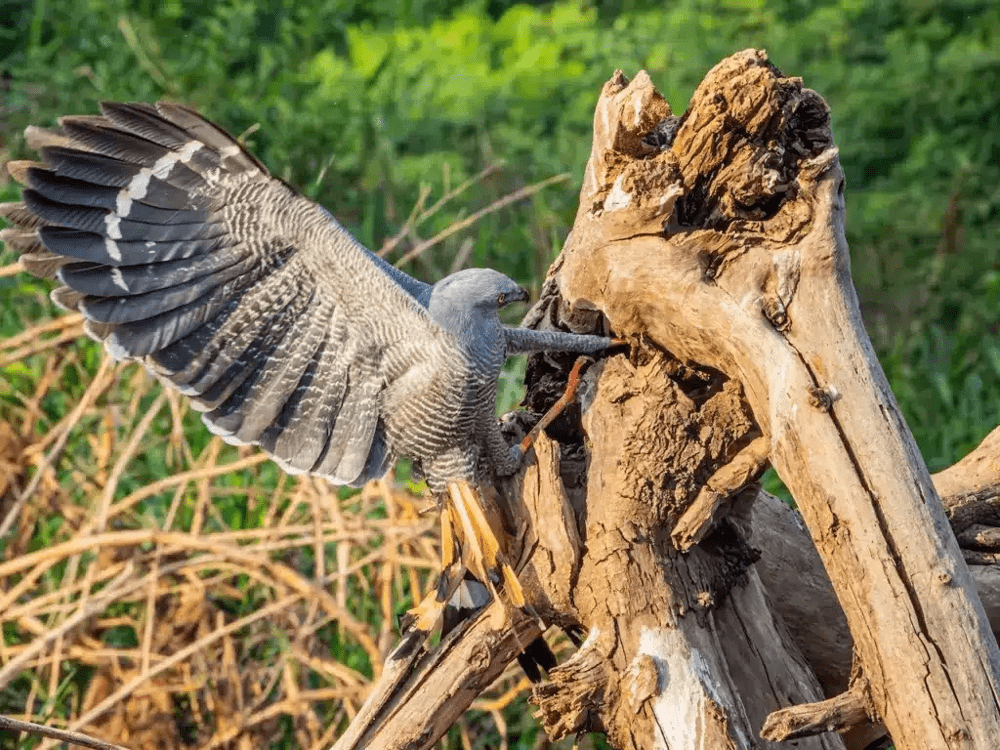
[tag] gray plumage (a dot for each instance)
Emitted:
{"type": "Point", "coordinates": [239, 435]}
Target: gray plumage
{"type": "Point", "coordinates": [183, 253]}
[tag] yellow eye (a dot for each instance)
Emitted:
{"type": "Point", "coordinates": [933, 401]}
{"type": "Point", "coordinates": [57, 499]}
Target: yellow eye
{"type": "Point", "coordinates": [501, 298]}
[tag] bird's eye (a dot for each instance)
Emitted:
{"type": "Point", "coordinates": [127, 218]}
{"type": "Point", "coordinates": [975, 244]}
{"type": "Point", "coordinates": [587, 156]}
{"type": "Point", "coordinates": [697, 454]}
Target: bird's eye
{"type": "Point", "coordinates": [501, 298]}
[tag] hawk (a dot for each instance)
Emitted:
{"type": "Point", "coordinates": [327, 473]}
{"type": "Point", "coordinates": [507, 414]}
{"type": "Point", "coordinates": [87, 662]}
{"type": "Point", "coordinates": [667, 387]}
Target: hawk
{"type": "Point", "coordinates": [183, 253]}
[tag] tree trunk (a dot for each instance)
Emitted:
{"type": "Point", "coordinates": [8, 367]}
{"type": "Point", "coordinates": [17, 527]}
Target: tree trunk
{"type": "Point", "coordinates": [714, 243]}
{"type": "Point", "coordinates": [751, 279]}
{"type": "Point", "coordinates": [681, 641]}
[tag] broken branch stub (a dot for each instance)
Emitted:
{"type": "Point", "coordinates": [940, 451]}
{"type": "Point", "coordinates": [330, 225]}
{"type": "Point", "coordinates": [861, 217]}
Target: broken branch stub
{"type": "Point", "coordinates": [728, 250]}
{"type": "Point", "coordinates": [423, 692]}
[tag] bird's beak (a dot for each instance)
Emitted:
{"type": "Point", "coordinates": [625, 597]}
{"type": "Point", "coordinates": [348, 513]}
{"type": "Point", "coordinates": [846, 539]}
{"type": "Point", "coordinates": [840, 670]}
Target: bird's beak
{"type": "Point", "coordinates": [522, 295]}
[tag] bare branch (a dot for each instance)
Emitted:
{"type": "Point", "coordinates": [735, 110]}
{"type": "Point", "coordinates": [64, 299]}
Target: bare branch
{"type": "Point", "coordinates": [418, 698]}
{"type": "Point", "coordinates": [839, 714]}
{"type": "Point", "coordinates": [73, 738]}
{"type": "Point", "coordinates": [468, 221]}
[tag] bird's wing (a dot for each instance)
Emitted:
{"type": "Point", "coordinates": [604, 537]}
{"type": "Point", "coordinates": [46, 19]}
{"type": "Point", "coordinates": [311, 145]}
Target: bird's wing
{"type": "Point", "coordinates": [181, 251]}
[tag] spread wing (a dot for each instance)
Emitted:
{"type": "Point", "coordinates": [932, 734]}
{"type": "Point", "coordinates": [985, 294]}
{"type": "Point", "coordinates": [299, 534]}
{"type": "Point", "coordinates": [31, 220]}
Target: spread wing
{"type": "Point", "coordinates": [182, 252]}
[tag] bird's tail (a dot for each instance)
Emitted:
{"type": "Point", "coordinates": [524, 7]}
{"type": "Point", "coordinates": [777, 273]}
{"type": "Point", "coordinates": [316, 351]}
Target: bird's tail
{"type": "Point", "coordinates": [474, 571]}
{"type": "Point", "coordinates": [472, 560]}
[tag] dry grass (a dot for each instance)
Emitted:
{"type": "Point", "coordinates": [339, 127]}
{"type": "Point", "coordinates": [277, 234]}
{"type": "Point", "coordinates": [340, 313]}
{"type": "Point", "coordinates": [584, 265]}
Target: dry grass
{"type": "Point", "coordinates": [159, 589]}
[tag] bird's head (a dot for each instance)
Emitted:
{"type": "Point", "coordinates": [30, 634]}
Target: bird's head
{"type": "Point", "coordinates": [481, 289]}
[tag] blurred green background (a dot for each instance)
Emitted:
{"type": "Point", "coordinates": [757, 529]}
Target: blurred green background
{"type": "Point", "coordinates": [363, 104]}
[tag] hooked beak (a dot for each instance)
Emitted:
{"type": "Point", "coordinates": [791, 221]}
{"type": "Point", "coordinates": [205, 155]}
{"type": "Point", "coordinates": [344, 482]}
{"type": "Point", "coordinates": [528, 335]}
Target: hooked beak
{"type": "Point", "coordinates": [522, 295]}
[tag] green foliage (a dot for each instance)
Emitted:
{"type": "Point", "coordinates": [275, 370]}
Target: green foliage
{"type": "Point", "coordinates": [360, 104]}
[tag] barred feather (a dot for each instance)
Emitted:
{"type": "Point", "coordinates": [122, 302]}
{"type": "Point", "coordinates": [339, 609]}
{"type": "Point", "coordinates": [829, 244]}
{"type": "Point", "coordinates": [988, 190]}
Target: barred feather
{"type": "Point", "coordinates": [96, 248]}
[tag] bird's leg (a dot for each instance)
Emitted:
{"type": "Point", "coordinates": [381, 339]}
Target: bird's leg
{"type": "Point", "coordinates": [528, 340]}
{"type": "Point", "coordinates": [479, 541]}
{"type": "Point", "coordinates": [567, 398]}
{"type": "Point", "coordinates": [425, 616]}
{"type": "Point", "coordinates": [470, 541]}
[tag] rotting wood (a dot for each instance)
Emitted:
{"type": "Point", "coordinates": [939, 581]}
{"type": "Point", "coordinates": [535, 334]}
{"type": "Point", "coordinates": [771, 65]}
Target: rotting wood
{"type": "Point", "coordinates": [679, 634]}
{"type": "Point", "coordinates": [578, 693]}
{"type": "Point", "coordinates": [751, 279]}
{"type": "Point", "coordinates": [746, 330]}
{"type": "Point", "coordinates": [790, 570]}
{"type": "Point", "coordinates": [650, 606]}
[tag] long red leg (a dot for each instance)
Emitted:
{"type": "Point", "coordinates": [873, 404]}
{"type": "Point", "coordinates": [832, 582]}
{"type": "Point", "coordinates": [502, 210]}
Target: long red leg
{"type": "Point", "coordinates": [569, 395]}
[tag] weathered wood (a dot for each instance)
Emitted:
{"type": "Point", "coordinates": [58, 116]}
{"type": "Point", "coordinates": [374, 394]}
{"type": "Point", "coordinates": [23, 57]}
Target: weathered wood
{"type": "Point", "coordinates": [792, 570]}
{"type": "Point", "coordinates": [800, 590]}
{"type": "Point", "coordinates": [421, 702]}
{"type": "Point", "coordinates": [646, 606]}
{"type": "Point", "coordinates": [671, 669]}
{"type": "Point", "coordinates": [715, 497]}
{"type": "Point", "coordinates": [422, 692]}
{"type": "Point", "coordinates": [838, 714]}
{"type": "Point", "coordinates": [751, 279]}
{"type": "Point", "coordinates": [768, 669]}
{"type": "Point", "coordinates": [718, 246]}
{"type": "Point", "coordinates": [684, 650]}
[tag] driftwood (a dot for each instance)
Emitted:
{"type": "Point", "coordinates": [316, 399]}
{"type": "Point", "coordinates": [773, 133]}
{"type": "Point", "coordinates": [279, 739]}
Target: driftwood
{"type": "Point", "coordinates": [715, 244]}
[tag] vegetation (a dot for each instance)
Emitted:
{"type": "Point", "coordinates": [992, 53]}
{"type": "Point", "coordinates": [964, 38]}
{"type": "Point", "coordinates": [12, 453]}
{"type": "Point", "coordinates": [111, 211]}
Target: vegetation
{"type": "Point", "coordinates": [374, 108]}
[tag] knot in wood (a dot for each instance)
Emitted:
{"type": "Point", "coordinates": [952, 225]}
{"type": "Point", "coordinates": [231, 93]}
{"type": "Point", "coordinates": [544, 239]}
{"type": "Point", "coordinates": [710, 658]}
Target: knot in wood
{"type": "Point", "coordinates": [774, 310]}
{"type": "Point", "coordinates": [823, 398]}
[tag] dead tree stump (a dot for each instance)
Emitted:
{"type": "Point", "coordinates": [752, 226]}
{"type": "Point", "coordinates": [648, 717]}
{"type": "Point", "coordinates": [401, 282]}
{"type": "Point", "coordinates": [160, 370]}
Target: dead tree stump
{"type": "Point", "coordinates": [714, 242]}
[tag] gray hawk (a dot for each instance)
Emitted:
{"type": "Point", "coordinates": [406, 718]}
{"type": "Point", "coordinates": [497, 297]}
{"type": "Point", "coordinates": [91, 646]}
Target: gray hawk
{"type": "Point", "coordinates": [182, 252]}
